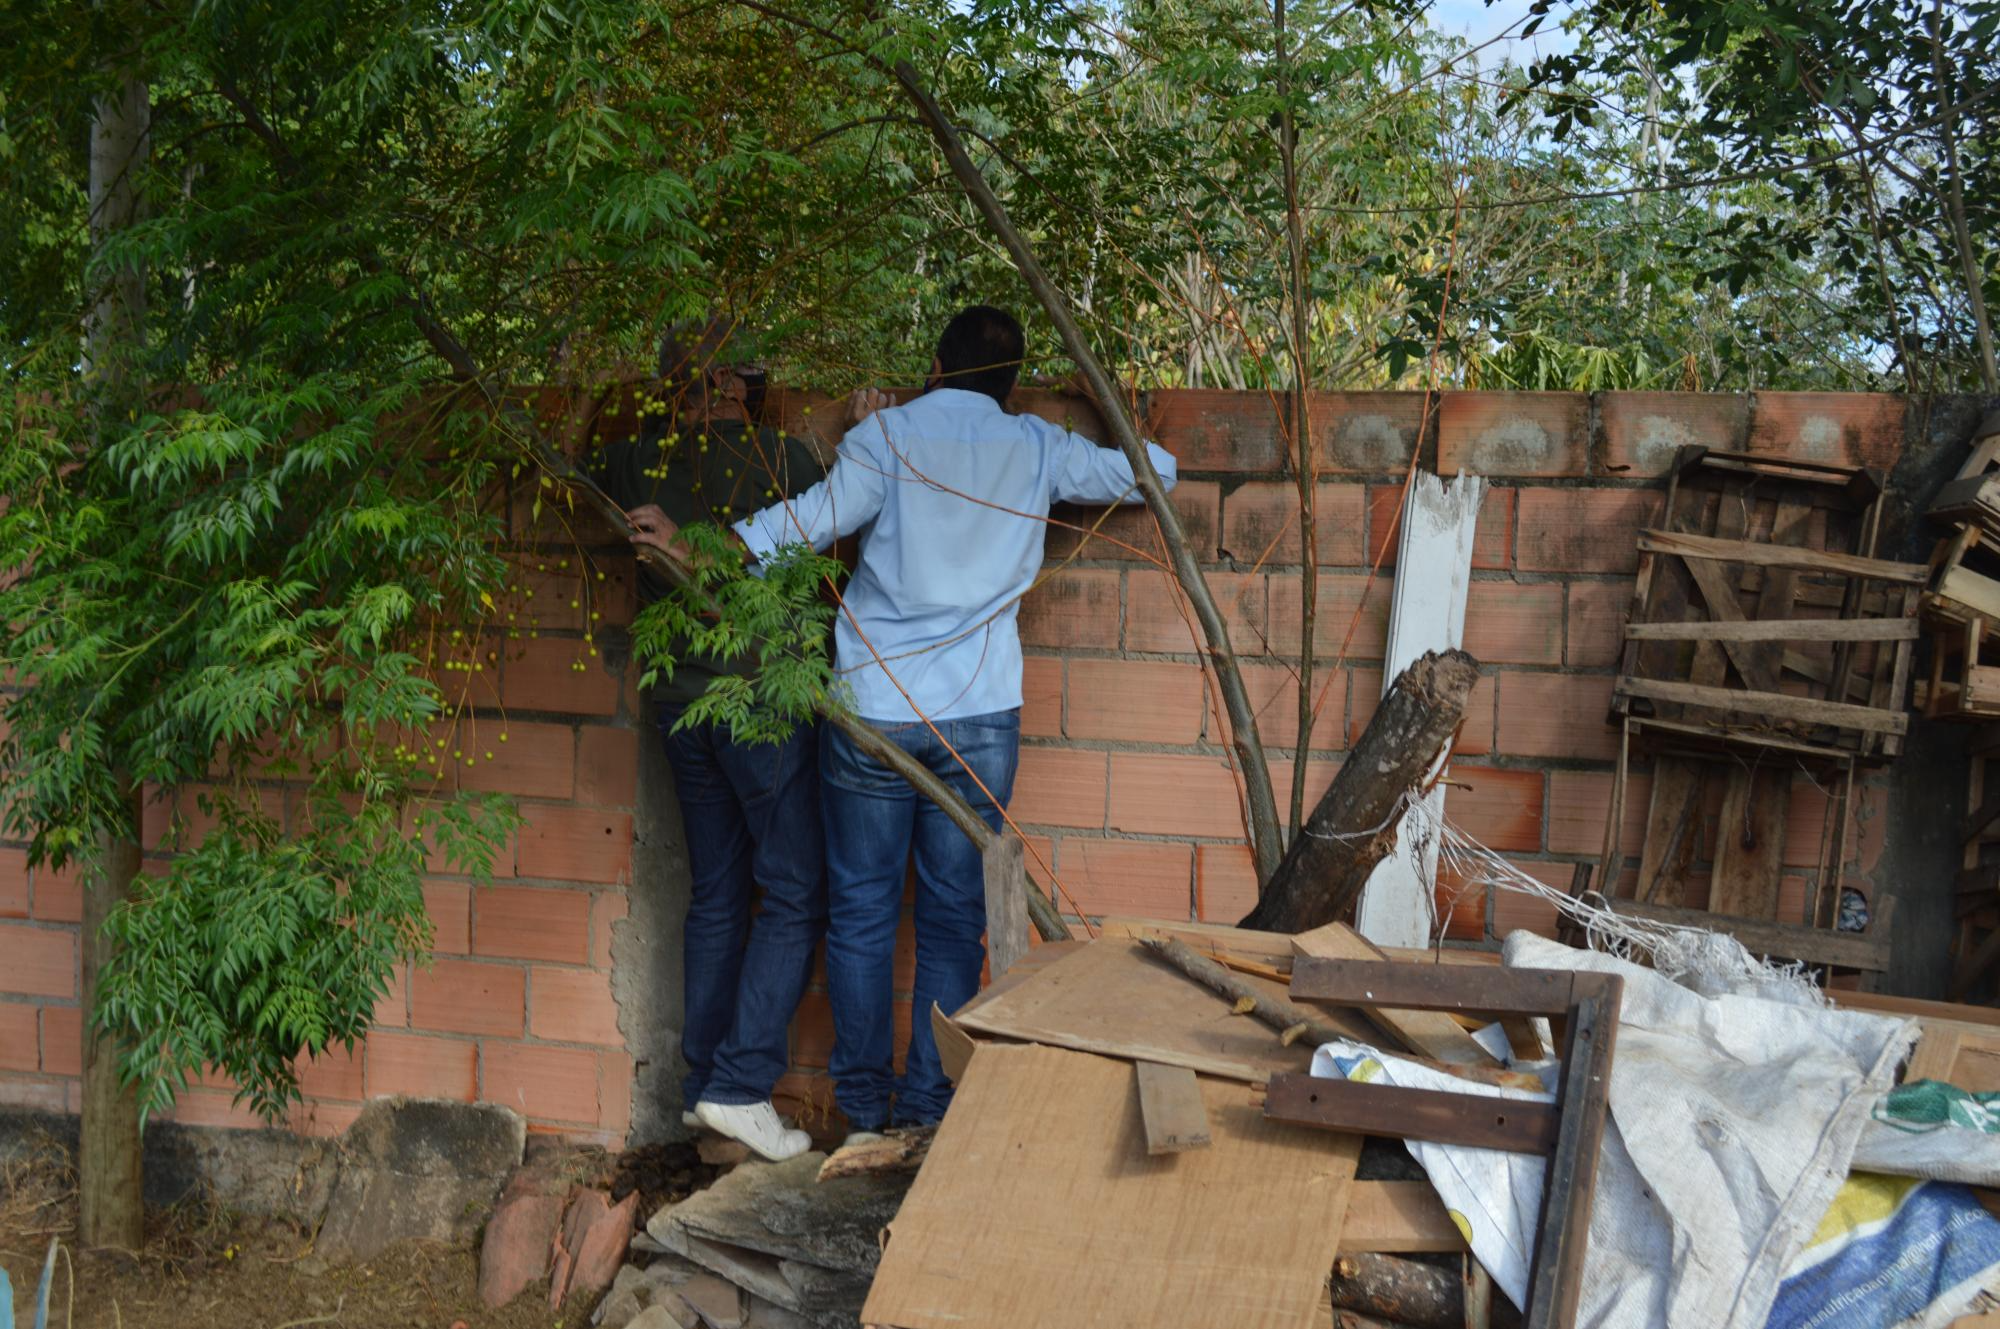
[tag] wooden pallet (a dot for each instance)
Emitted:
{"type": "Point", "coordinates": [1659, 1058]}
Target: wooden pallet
{"type": "Point", "coordinates": [1973, 496]}
{"type": "Point", "coordinates": [1765, 642]}
{"type": "Point", "coordinates": [1975, 945]}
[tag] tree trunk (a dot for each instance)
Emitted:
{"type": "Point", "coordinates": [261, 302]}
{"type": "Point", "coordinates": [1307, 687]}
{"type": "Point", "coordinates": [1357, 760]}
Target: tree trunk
{"type": "Point", "coordinates": [1354, 826]}
{"type": "Point", "coordinates": [109, 1174]}
{"type": "Point", "coordinates": [1402, 1291]}
{"type": "Point", "coordinates": [112, 1212]}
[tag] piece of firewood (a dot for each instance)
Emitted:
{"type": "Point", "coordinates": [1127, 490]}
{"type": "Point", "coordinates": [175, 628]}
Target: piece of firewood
{"type": "Point", "coordinates": [900, 1150]}
{"type": "Point", "coordinates": [1404, 1291]}
{"type": "Point", "coordinates": [1354, 825]}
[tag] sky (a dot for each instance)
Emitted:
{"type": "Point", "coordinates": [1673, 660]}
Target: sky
{"type": "Point", "coordinates": [1478, 22]}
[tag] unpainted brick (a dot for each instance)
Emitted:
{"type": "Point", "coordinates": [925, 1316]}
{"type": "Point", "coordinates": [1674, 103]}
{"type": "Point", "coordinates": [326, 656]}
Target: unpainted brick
{"type": "Point", "coordinates": [1583, 530]}
{"type": "Point", "coordinates": [543, 1083]}
{"type": "Point", "coordinates": [575, 844]}
{"type": "Point", "coordinates": [1514, 433]}
{"type": "Point", "coordinates": [334, 1074]}
{"type": "Point", "coordinates": [1274, 698]}
{"type": "Point", "coordinates": [1475, 728]}
{"type": "Point", "coordinates": [1215, 430]}
{"type": "Point", "coordinates": [1597, 611]}
{"type": "Point", "coordinates": [449, 904]}
{"type": "Point", "coordinates": [13, 883]}
{"type": "Point", "coordinates": [607, 910]}
{"type": "Point", "coordinates": [1492, 536]}
{"type": "Point", "coordinates": [1158, 618]}
{"type": "Point", "coordinates": [1643, 431]}
{"type": "Point", "coordinates": [1556, 715]}
{"type": "Point", "coordinates": [558, 674]}
{"type": "Point", "coordinates": [1042, 696]}
{"type": "Point", "coordinates": [1260, 523]}
{"type": "Point", "coordinates": [1352, 609]}
{"type": "Point", "coordinates": [37, 962]}
{"type": "Point", "coordinates": [58, 894]}
{"type": "Point", "coordinates": [19, 1041]}
{"type": "Point", "coordinates": [421, 1067]}
{"type": "Point", "coordinates": [1514, 623]}
{"type": "Point", "coordinates": [607, 765]}
{"type": "Point", "coordinates": [614, 1094]}
{"type": "Point", "coordinates": [1128, 531]}
{"type": "Point", "coordinates": [62, 1040]}
{"type": "Point", "coordinates": [532, 760]}
{"type": "Point", "coordinates": [466, 997]}
{"type": "Point", "coordinates": [572, 1006]}
{"type": "Point", "coordinates": [1579, 802]}
{"type": "Point", "coordinates": [1165, 794]}
{"type": "Point", "coordinates": [1502, 809]}
{"type": "Point", "coordinates": [1141, 701]}
{"type": "Point", "coordinates": [1514, 911]}
{"type": "Point", "coordinates": [1059, 787]}
{"type": "Point", "coordinates": [1225, 882]}
{"type": "Point", "coordinates": [1132, 877]}
{"type": "Point", "coordinates": [527, 923]}
{"type": "Point", "coordinates": [1845, 428]}
{"type": "Point", "coordinates": [392, 1008]}
{"type": "Point", "coordinates": [1076, 607]}
{"type": "Point", "coordinates": [1366, 433]}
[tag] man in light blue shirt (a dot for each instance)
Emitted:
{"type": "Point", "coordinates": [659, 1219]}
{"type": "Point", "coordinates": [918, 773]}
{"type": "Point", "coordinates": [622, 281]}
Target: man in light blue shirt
{"type": "Point", "coordinates": [951, 494]}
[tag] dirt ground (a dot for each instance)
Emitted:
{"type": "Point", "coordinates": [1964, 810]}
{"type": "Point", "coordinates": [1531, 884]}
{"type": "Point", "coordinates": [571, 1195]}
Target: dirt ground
{"type": "Point", "coordinates": [207, 1269]}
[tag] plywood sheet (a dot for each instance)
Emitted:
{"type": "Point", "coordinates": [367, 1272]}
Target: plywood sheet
{"type": "Point", "coordinates": [1111, 996]}
{"type": "Point", "coordinates": [1039, 1205]}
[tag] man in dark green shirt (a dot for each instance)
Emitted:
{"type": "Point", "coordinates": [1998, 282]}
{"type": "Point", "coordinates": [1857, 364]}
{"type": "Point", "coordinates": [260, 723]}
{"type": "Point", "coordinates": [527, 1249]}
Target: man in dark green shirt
{"type": "Point", "coordinates": [751, 811]}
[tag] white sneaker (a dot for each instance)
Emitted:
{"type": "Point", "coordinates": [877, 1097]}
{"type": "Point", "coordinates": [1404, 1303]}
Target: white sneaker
{"type": "Point", "coordinates": [863, 1137]}
{"type": "Point", "coordinates": [754, 1124]}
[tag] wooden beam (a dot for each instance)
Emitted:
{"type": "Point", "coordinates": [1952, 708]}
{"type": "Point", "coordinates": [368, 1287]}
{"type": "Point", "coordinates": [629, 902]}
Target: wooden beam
{"type": "Point", "coordinates": [1771, 705]}
{"type": "Point", "coordinates": [1758, 554]}
{"type": "Point", "coordinates": [1429, 1033]}
{"type": "Point", "coordinates": [1170, 1106]}
{"type": "Point", "coordinates": [1006, 902]}
{"type": "Point", "coordinates": [1843, 950]}
{"type": "Point", "coordinates": [1479, 1121]}
{"type": "Point", "coordinates": [1781, 629]}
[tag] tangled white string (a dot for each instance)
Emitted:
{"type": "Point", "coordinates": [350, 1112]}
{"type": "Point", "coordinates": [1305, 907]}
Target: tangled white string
{"type": "Point", "coordinates": [1710, 963]}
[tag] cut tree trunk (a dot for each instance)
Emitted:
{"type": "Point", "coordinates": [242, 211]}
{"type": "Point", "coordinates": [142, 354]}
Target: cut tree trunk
{"type": "Point", "coordinates": [1354, 826]}
{"type": "Point", "coordinates": [1401, 1291]}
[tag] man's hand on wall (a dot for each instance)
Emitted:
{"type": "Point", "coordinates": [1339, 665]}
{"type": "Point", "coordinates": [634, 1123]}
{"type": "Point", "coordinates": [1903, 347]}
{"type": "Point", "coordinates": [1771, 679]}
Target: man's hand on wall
{"type": "Point", "coordinates": [650, 526]}
{"type": "Point", "coordinates": [865, 402]}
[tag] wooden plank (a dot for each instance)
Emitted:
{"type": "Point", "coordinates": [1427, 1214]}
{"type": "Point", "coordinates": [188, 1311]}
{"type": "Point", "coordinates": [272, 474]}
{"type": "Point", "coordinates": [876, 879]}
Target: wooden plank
{"type": "Point", "coordinates": [1170, 1107]}
{"type": "Point", "coordinates": [1011, 1223]}
{"type": "Point", "coordinates": [1843, 950]}
{"type": "Point", "coordinates": [1671, 832]}
{"type": "Point", "coordinates": [1478, 1121]}
{"type": "Point", "coordinates": [1398, 1218]}
{"type": "Point", "coordinates": [1006, 876]}
{"type": "Point", "coordinates": [1789, 526]}
{"type": "Point", "coordinates": [1218, 939]}
{"type": "Point", "coordinates": [1720, 597]}
{"type": "Point", "coordinates": [1432, 987]}
{"type": "Point", "coordinates": [1709, 548]}
{"type": "Point", "coordinates": [1781, 629]}
{"type": "Point", "coordinates": [1770, 705]}
{"type": "Point", "coordinates": [1569, 1188]}
{"type": "Point", "coordinates": [1111, 997]}
{"type": "Point", "coordinates": [1429, 1033]}
{"type": "Point", "coordinates": [1961, 591]}
{"type": "Point", "coordinates": [1750, 842]}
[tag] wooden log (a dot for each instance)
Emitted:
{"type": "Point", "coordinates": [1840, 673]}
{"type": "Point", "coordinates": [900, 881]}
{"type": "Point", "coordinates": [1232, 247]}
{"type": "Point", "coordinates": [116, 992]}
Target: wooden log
{"type": "Point", "coordinates": [1404, 1291]}
{"type": "Point", "coordinates": [1291, 1022]}
{"type": "Point", "coordinates": [900, 1150]}
{"type": "Point", "coordinates": [1354, 826]}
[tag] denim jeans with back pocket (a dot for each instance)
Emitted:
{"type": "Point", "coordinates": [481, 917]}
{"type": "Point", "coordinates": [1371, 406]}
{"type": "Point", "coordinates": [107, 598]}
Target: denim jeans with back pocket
{"type": "Point", "coordinates": [875, 825]}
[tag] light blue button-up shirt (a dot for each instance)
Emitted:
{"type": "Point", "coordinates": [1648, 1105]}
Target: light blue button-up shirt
{"type": "Point", "coordinates": [953, 492]}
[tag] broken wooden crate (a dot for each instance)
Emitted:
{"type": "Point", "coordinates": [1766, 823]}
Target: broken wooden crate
{"type": "Point", "coordinates": [1765, 641]}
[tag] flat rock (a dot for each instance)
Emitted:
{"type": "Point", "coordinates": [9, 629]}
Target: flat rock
{"type": "Point", "coordinates": [719, 1303]}
{"type": "Point", "coordinates": [417, 1169]}
{"type": "Point", "coordinates": [782, 1209]}
{"type": "Point", "coordinates": [519, 1240]}
{"type": "Point", "coordinates": [595, 1234]}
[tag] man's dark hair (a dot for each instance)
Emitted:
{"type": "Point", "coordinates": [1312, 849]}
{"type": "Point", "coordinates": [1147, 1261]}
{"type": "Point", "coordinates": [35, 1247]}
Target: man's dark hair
{"type": "Point", "coordinates": [981, 351]}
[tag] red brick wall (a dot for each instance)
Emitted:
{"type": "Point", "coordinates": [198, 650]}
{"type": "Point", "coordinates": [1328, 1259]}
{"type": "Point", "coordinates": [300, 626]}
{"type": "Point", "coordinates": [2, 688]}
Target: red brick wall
{"type": "Point", "coordinates": [1123, 785]}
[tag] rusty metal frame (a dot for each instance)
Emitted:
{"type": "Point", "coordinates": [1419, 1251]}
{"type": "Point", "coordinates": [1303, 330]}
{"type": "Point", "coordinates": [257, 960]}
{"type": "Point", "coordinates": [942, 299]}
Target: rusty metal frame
{"type": "Point", "coordinates": [1587, 1004]}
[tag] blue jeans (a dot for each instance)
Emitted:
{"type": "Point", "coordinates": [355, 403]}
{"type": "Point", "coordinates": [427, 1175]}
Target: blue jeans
{"type": "Point", "coordinates": [751, 813]}
{"type": "Point", "coordinates": [874, 823]}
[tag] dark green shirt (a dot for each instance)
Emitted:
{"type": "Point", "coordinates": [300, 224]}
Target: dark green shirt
{"type": "Point", "coordinates": [722, 473]}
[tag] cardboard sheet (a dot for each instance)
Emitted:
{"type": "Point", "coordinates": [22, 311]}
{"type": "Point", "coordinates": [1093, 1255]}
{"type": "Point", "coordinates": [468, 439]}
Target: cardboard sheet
{"type": "Point", "coordinates": [1039, 1205]}
{"type": "Point", "coordinates": [1112, 996]}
